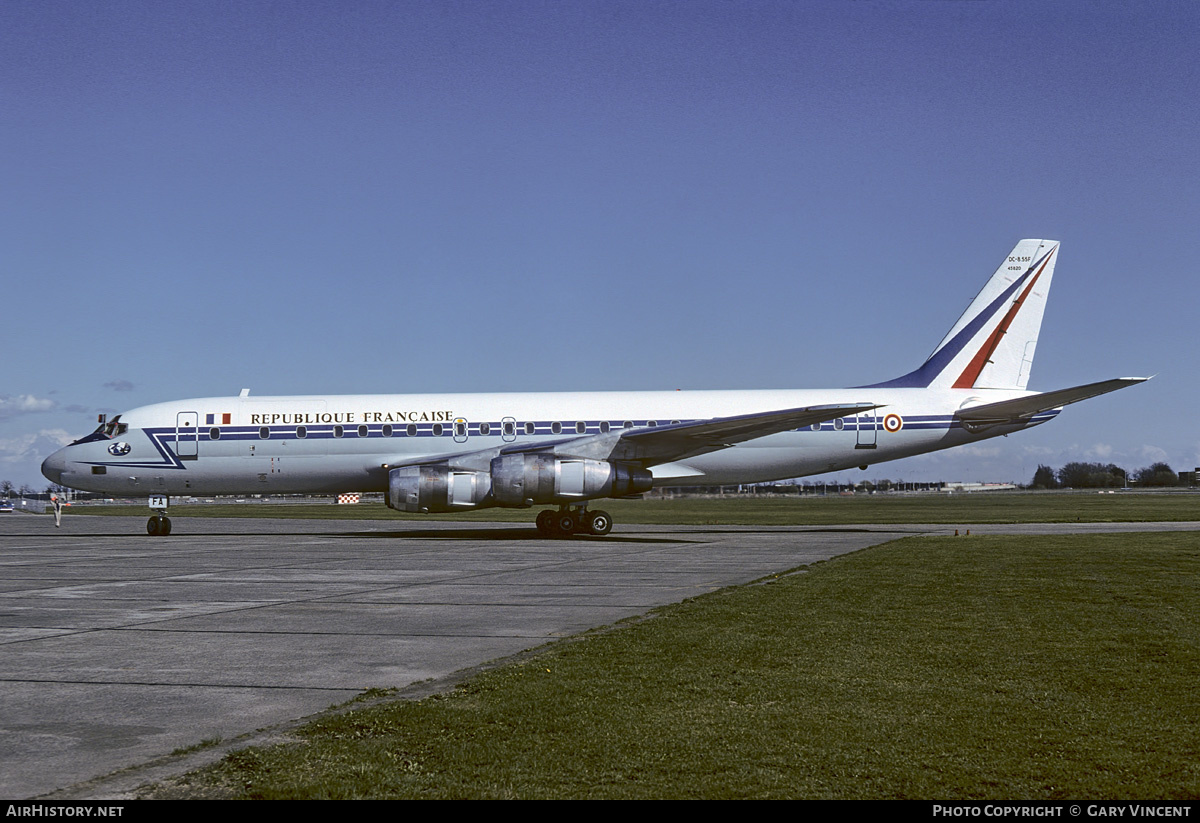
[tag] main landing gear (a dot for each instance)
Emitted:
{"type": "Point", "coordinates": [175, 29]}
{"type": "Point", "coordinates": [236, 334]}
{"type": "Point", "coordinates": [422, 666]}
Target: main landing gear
{"type": "Point", "coordinates": [570, 520]}
{"type": "Point", "coordinates": [159, 525]}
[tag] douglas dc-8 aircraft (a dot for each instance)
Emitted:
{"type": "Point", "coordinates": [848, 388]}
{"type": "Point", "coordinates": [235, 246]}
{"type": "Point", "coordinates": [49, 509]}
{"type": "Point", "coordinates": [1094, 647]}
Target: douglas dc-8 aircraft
{"type": "Point", "coordinates": [453, 452]}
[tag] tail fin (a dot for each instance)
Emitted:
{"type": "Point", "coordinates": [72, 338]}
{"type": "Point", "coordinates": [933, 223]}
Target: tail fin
{"type": "Point", "coordinates": [992, 344]}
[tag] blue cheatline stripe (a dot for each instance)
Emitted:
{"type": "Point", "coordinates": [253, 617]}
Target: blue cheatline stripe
{"type": "Point", "coordinates": [541, 427]}
{"type": "Point", "coordinates": [399, 430]}
{"type": "Point", "coordinates": [163, 438]}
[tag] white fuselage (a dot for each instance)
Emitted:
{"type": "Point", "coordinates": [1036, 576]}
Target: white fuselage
{"type": "Point", "coordinates": [241, 445]}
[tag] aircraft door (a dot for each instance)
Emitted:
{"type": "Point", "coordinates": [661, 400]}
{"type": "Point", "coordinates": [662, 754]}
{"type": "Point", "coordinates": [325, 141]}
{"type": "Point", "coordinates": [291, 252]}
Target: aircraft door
{"type": "Point", "coordinates": [187, 439]}
{"type": "Point", "coordinates": [868, 431]}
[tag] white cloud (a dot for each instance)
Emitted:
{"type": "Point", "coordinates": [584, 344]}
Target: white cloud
{"type": "Point", "coordinates": [21, 456]}
{"type": "Point", "coordinates": [1153, 454]}
{"type": "Point", "coordinates": [980, 451]}
{"type": "Point", "coordinates": [12, 405]}
{"type": "Point", "coordinates": [33, 446]}
{"type": "Point", "coordinates": [1040, 451]}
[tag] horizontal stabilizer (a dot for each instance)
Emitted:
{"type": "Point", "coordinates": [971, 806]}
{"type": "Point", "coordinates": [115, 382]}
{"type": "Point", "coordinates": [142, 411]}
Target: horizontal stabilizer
{"type": "Point", "coordinates": [1008, 411]}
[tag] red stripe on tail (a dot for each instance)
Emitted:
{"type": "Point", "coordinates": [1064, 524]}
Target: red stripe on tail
{"type": "Point", "coordinates": [982, 357]}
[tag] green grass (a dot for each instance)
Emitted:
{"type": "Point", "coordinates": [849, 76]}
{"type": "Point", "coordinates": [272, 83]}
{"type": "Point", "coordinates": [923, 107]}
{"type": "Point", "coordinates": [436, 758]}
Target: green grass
{"type": "Point", "coordinates": [982, 667]}
{"type": "Point", "coordinates": [989, 507]}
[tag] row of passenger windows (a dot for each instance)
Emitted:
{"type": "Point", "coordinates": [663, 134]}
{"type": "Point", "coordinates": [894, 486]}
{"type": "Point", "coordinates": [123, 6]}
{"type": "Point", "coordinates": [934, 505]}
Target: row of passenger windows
{"type": "Point", "coordinates": [509, 428]}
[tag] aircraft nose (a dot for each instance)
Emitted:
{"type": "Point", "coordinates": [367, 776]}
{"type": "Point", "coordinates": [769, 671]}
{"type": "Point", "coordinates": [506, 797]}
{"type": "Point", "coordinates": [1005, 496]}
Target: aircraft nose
{"type": "Point", "coordinates": [54, 466]}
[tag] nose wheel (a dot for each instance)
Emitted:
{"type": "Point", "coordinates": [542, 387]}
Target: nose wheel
{"type": "Point", "coordinates": [158, 526]}
{"type": "Point", "coordinates": [569, 521]}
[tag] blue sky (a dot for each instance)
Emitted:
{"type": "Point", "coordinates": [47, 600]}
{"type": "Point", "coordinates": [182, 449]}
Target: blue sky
{"type": "Point", "coordinates": [310, 197]}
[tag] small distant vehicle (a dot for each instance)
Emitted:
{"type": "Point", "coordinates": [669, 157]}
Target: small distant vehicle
{"type": "Point", "coordinates": [6, 505]}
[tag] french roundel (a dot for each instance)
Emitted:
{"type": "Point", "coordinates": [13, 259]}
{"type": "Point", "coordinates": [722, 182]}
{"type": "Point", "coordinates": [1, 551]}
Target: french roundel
{"type": "Point", "coordinates": [893, 423]}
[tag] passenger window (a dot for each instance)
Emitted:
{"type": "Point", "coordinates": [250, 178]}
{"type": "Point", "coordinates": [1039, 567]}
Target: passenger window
{"type": "Point", "coordinates": [509, 430]}
{"type": "Point", "coordinates": [264, 433]}
{"type": "Point", "coordinates": [580, 427]}
{"type": "Point", "coordinates": [301, 432]}
{"type": "Point", "coordinates": [214, 433]}
{"type": "Point", "coordinates": [604, 426]}
{"type": "Point", "coordinates": [839, 424]}
{"type": "Point", "coordinates": [485, 429]}
{"type": "Point", "coordinates": [338, 431]}
{"type": "Point", "coordinates": [437, 429]}
{"type": "Point", "coordinates": [556, 427]}
{"type": "Point", "coordinates": [628, 424]}
{"type": "Point", "coordinates": [529, 429]}
{"type": "Point", "coordinates": [411, 430]}
{"type": "Point", "coordinates": [387, 430]}
{"type": "Point", "coordinates": [362, 431]}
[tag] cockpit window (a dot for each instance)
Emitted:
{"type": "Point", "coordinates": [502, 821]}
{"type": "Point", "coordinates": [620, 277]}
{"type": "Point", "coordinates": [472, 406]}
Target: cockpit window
{"type": "Point", "coordinates": [105, 431]}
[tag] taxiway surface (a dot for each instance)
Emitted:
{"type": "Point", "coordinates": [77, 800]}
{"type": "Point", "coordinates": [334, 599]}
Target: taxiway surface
{"type": "Point", "coordinates": [118, 648]}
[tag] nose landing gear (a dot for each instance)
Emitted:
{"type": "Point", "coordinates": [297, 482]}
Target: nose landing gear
{"type": "Point", "coordinates": [572, 520]}
{"type": "Point", "coordinates": [159, 525]}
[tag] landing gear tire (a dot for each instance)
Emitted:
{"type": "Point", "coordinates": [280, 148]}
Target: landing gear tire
{"type": "Point", "coordinates": [568, 522]}
{"type": "Point", "coordinates": [565, 523]}
{"type": "Point", "coordinates": [600, 523]}
{"type": "Point", "coordinates": [158, 526]}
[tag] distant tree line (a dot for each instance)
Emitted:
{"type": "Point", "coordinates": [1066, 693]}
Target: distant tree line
{"type": "Point", "coordinates": [7, 489]}
{"type": "Point", "coordinates": [1102, 475]}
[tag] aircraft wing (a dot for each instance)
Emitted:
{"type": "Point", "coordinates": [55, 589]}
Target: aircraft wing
{"type": "Point", "coordinates": [660, 444]}
{"type": "Point", "coordinates": [1012, 411]}
{"type": "Point", "coordinates": [682, 440]}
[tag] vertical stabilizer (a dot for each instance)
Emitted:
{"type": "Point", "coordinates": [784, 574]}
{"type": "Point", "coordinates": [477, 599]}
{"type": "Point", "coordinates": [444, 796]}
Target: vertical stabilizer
{"type": "Point", "coordinates": [992, 344]}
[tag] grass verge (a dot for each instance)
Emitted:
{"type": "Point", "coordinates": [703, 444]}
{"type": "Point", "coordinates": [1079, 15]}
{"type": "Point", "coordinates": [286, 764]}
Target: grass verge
{"type": "Point", "coordinates": [984, 667]}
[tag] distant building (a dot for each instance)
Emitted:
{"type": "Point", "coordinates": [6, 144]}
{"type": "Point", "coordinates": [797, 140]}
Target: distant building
{"type": "Point", "coordinates": [955, 486]}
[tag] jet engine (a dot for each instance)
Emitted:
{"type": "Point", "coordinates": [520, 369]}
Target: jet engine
{"type": "Point", "coordinates": [436, 489]}
{"type": "Point", "coordinates": [514, 481]}
{"type": "Point", "coordinates": [520, 480]}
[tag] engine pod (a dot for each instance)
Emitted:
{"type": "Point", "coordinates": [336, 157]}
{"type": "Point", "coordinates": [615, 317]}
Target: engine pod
{"type": "Point", "coordinates": [436, 489]}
